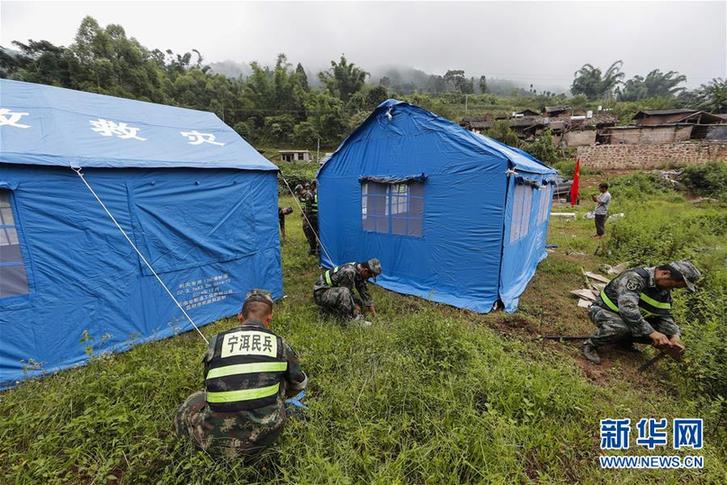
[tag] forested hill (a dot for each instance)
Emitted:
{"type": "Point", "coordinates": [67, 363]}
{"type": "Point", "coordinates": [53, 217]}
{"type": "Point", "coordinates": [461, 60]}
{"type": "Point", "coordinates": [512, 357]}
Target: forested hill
{"type": "Point", "coordinates": [282, 105]}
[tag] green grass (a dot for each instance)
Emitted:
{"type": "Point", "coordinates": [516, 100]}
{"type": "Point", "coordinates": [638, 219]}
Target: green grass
{"type": "Point", "coordinates": [429, 394]}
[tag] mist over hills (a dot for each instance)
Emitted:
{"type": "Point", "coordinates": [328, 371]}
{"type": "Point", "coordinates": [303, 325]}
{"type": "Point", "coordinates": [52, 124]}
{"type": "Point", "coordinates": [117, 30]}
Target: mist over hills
{"type": "Point", "coordinates": [401, 79]}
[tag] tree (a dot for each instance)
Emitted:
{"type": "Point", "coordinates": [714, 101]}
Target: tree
{"type": "Point", "coordinates": [343, 79]}
{"type": "Point", "coordinates": [455, 80]}
{"type": "Point", "coordinates": [40, 62]}
{"type": "Point", "coordinates": [655, 84]}
{"type": "Point", "coordinates": [301, 78]}
{"type": "Point", "coordinates": [595, 84]}
{"type": "Point", "coordinates": [436, 84]}
{"type": "Point", "coordinates": [375, 96]}
{"type": "Point", "coordinates": [713, 96]}
{"type": "Point", "coordinates": [483, 84]}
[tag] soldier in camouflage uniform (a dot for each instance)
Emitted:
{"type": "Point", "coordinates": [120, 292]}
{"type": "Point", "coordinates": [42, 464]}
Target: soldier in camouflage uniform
{"type": "Point", "coordinates": [310, 207]}
{"type": "Point", "coordinates": [334, 290]}
{"type": "Point", "coordinates": [636, 307]}
{"type": "Point", "coordinates": [249, 371]}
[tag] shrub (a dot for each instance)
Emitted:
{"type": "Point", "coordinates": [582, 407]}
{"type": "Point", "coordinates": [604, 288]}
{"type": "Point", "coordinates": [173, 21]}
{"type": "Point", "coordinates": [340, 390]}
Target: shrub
{"type": "Point", "coordinates": [639, 186]}
{"type": "Point", "coordinates": [543, 149]}
{"type": "Point", "coordinates": [501, 131]}
{"type": "Point", "coordinates": [708, 180]}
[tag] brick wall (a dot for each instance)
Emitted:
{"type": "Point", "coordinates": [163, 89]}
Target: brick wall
{"type": "Point", "coordinates": [619, 157]}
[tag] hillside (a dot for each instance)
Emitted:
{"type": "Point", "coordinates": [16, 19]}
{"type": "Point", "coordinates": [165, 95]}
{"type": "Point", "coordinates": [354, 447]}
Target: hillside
{"type": "Point", "coordinates": [429, 394]}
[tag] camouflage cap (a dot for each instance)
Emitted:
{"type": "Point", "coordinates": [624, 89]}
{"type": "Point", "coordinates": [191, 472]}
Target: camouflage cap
{"type": "Point", "coordinates": [258, 294]}
{"type": "Point", "coordinates": [374, 266]}
{"type": "Point", "coordinates": [686, 271]}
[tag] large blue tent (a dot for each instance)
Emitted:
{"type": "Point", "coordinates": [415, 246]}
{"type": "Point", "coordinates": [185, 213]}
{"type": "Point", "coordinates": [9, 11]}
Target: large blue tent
{"type": "Point", "coordinates": [454, 217]}
{"type": "Point", "coordinates": [198, 201]}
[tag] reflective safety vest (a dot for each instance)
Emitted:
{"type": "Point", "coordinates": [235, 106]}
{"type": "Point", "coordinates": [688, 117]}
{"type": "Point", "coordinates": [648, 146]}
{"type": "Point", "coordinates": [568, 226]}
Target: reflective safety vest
{"type": "Point", "coordinates": [245, 369]}
{"type": "Point", "coordinates": [330, 272]}
{"type": "Point", "coordinates": [311, 207]}
{"type": "Point", "coordinates": [652, 301]}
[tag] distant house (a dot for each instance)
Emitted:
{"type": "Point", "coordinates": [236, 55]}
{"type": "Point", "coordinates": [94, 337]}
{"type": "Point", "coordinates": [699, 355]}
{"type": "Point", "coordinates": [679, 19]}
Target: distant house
{"type": "Point", "coordinates": [647, 134]}
{"type": "Point", "coordinates": [528, 127]}
{"type": "Point", "coordinates": [654, 117]}
{"type": "Point", "coordinates": [551, 111]}
{"type": "Point", "coordinates": [525, 112]}
{"type": "Point", "coordinates": [294, 155]}
{"type": "Point", "coordinates": [657, 126]}
{"type": "Point", "coordinates": [478, 125]}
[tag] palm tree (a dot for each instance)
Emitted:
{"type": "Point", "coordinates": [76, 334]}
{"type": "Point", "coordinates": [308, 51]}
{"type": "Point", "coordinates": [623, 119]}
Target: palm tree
{"type": "Point", "coordinates": [593, 83]}
{"type": "Point", "coordinates": [655, 84]}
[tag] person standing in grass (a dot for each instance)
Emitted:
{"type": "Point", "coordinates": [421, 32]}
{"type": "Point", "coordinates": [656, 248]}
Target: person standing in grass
{"type": "Point", "coordinates": [311, 214]}
{"type": "Point", "coordinates": [248, 373]}
{"type": "Point", "coordinates": [636, 307]}
{"type": "Point", "coordinates": [602, 201]}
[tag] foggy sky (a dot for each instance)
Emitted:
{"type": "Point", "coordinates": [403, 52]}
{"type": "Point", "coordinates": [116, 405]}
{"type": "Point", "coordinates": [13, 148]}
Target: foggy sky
{"type": "Point", "coordinates": [539, 42]}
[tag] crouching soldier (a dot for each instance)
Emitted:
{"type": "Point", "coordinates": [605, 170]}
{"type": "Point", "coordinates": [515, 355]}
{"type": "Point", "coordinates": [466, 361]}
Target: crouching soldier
{"type": "Point", "coordinates": [636, 307]}
{"type": "Point", "coordinates": [334, 290]}
{"type": "Point", "coordinates": [248, 373]}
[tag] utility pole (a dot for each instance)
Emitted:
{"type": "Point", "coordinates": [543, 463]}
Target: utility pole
{"type": "Point", "coordinates": [465, 103]}
{"type": "Point", "coordinates": [318, 149]}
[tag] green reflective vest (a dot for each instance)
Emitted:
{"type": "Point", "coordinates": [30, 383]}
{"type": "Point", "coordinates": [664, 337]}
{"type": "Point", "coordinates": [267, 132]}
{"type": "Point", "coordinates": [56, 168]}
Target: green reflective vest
{"type": "Point", "coordinates": [245, 370]}
{"type": "Point", "coordinates": [330, 272]}
{"type": "Point", "coordinates": [652, 301]}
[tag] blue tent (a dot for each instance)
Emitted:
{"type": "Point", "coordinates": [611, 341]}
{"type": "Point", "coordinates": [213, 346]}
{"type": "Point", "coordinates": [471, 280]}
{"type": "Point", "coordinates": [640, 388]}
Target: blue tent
{"type": "Point", "coordinates": [197, 200]}
{"type": "Point", "coordinates": [454, 217]}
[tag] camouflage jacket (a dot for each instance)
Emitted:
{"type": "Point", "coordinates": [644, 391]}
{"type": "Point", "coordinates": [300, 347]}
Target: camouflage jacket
{"type": "Point", "coordinates": [346, 276]}
{"type": "Point", "coordinates": [627, 289]}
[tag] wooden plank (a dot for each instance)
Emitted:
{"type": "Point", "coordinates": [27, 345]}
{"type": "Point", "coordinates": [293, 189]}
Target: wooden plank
{"type": "Point", "coordinates": [584, 293]}
{"type": "Point", "coordinates": [584, 303]}
{"type": "Point", "coordinates": [597, 277]}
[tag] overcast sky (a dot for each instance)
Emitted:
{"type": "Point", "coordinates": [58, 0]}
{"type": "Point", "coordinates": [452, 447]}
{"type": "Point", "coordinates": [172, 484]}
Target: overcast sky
{"type": "Point", "coordinates": [540, 42]}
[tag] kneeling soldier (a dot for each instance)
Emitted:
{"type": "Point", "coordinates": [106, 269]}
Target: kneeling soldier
{"type": "Point", "coordinates": [636, 307]}
{"type": "Point", "coordinates": [248, 373]}
{"type": "Point", "coordinates": [333, 292]}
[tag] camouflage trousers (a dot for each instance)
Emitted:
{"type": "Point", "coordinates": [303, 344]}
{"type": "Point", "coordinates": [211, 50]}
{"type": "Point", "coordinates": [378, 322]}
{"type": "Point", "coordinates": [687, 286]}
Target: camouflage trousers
{"type": "Point", "coordinates": [311, 231]}
{"type": "Point", "coordinates": [338, 301]}
{"type": "Point", "coordinates": [231, 435]}
{"type": "Point", "coordinates": [612, 329]}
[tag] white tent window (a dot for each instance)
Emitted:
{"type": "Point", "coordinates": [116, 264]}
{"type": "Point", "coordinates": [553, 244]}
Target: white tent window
{"type": "Point", "coordinates": [375, 207]}
{"type": "Point", "coordinates": [393, 208]}
{"type": "Point", "coordinates": [521, 209]}
{"type": "Point", "coordinates": [13, 277]}
{"type": "Point", "coordinates": [407, 209]}
{"type": "Point", "coordinates": [545, 203]}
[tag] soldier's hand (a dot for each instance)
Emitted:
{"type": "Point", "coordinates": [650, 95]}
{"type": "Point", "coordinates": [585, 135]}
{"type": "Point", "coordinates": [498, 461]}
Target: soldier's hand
{"type": "Point", "coordinates": [372, 310]}
{"type": "Point", "coordinates": [658, 339]}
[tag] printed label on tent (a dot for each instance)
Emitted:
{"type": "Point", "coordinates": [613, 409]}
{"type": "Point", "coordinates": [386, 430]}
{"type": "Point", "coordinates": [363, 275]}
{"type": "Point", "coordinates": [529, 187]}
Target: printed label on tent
{"type": "Point", "coordinates": [249, 343]}
{"type": "Point", "coordinates": [196, 293]}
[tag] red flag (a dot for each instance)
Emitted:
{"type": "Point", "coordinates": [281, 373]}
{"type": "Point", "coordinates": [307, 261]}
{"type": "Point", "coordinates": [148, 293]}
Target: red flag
{"type": "Point", "coordinates": [576, 183]}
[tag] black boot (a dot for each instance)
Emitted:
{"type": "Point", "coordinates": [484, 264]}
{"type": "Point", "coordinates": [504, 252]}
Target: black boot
{"type": "Point", "coordinates": [590, 353]}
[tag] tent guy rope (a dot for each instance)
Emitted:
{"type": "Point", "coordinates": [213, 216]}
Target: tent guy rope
{"type": "Point", "coordinates": [79, 172]}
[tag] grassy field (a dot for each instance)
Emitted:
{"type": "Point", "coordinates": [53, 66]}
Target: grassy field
{"type": "Point", "coordinates": [429, 394]}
